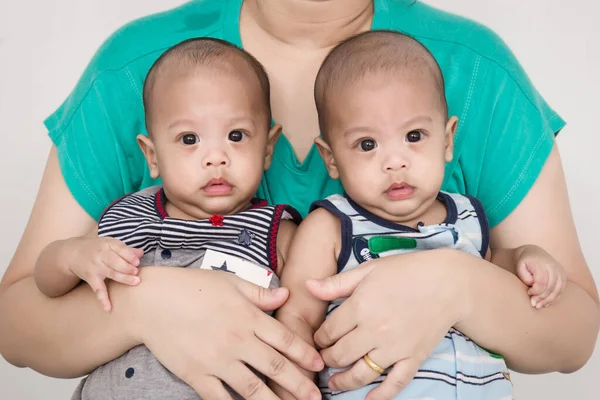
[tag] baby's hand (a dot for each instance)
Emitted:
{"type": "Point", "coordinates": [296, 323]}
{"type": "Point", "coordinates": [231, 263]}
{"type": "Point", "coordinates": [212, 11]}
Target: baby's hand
{"type": "Point", "coordinates": [545, 276]}
{"type": "Point", "coordinates": [95, 259]}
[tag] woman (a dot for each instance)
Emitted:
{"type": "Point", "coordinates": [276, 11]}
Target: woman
{"type": "Point", "coordinates": [291, 38]}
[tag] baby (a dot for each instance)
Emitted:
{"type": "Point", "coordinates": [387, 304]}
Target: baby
{"type": "Point", "coordinates": [208, 117]}
{"type": "Point", "coordinates": [386, 134]}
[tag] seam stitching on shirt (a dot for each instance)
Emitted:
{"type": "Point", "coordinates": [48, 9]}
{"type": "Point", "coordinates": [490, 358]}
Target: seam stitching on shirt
{"type": "Point", "coordinates": [82, 183]}
{"type": "Point", "coordinates": [104, 110]}
{"type": "Point", "coordinates": [85, 127]}
{"type": "Point", "coordinates": [487, 58]}
{"type": "Point", "coordinates": [517, 183]}
{"type": "Point", "coordinates": [463, 117]}
{"type": "Point", "coordinates": [132, 82]}
{"type": "Point", "coordinates": [100, 74]}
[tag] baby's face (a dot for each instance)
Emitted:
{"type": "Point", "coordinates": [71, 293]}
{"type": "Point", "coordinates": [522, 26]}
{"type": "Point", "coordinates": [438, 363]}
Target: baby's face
{"type": "Point", "coordinates": [390, 142]}
{"type": "Point", "coordinates": [211, 138]}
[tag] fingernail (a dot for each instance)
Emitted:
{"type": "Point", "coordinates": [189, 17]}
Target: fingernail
{"type": "Point", "coordinates": [316, 395]}
{"type": "Point", "coordinates": [278, 291]}
{"type": "Point", "coordinates": [533, 303]}
{"type": "Point", "coordinates": [332, 385]}
{"type": "Point", "coordinates": [318, 364]}
{"type": "Point", "coordinates": [136, 280]}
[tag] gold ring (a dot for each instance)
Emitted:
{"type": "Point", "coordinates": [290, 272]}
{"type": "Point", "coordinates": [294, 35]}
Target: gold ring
{"type": "Point", "coordinates": [372, 365]}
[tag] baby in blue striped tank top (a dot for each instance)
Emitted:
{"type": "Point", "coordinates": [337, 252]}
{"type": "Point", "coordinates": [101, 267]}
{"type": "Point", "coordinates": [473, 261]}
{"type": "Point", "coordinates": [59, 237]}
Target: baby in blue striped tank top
{"type": "Point", "coordinates": [387, 136]}
{"type": "Point", "coordinates": [210, 138]}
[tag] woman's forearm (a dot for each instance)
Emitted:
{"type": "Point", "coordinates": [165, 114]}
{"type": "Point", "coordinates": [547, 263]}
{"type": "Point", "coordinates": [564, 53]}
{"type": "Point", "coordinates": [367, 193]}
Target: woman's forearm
{"type": "Point", "coordinates": [500, 318]}
{"type": "Point", "coordinates": [63, 337]}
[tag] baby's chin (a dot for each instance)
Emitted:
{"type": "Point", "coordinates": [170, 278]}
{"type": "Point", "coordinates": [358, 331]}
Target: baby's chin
{"type": "Point", "coordinates": [224, 207]}
{"type": "Point", "coordinates": [401, 212]}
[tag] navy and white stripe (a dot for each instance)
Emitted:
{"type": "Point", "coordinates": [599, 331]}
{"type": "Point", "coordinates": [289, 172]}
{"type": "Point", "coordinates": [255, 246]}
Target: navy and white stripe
{"type": "Point", "coordinates": [140, 220]}
{"type": "Point", "coordinates": [457, 369]}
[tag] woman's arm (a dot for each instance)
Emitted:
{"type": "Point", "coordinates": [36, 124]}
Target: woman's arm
{"type": "Point", "coordinates": [70, 335]}
{"type": "Point", "coordinates": [51, 335]}
{"type": "Point", "coordinates": [560, 337]}
{"type": "Point", "coordinates": [453, 288]}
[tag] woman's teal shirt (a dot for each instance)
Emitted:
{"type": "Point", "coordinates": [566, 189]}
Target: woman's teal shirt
{"type": "Point", "coordinates": [505, 134]}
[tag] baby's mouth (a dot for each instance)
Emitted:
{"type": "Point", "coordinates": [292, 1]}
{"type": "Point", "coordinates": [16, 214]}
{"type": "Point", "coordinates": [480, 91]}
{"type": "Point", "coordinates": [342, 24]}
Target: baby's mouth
{"type": "Point", "coordinates": [217, 187]}
{"type": "Point", "coordinates": [400, 191]}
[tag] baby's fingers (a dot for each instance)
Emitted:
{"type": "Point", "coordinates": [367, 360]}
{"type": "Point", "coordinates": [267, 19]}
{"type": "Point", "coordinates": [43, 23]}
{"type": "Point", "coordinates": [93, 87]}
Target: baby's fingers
{"type": "Point", "coordinates": [524, 274]}
{"type": "Point", "coordinates": [120, 277]}
{"type": "Point", "coordinates": [131, 255]}
{"type": "Point", "coordinates": [554, 294]}
{"type": "Point", "coordinates": [540, 286]}
{"type": "Point", "coordinates": [99, 287]}
{"type": "Point", "coordinates": [116, 262]}
{"type": "Point", "coordinates": [537, 289]}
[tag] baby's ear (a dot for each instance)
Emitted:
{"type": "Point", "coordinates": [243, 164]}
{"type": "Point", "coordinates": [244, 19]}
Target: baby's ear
{"type": "Point", "coordinates": [450, 131]}
{"type": "Point", "coordinates": [328, 159]}
{"type": "Point", "coordinates": [274, 134]}
{"type": "Point", "coordinates": [147, 146]}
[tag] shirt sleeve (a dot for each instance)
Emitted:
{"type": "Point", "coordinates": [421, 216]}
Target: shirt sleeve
{"type": "Point", "coordinates": [518, 129]}
{"type": "Point", "coordinates": [94, 132]}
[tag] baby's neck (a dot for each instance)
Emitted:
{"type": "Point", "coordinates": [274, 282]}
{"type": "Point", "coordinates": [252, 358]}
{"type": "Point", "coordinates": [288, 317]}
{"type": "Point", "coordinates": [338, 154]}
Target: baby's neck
{"type": "Point", "coordinates": [197, 213]}
{"type": "Point", "coordinates": [435, 214]}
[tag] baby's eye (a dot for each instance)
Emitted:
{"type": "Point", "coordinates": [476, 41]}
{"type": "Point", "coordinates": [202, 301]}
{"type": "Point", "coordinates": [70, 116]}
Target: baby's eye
{"type": "Point", "coordinates": [237, 136]}
{"type": "Point", "coordinates": [189, 139]}
{"type": "Point", "coordinates": [367, 144]}
{"type": "Point", "coordinates": [414, 136]}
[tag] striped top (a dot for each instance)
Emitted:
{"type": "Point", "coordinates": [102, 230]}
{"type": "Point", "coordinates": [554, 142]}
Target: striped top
{"type": "Point", "coordinates": [457, 369]}
{"type": "Point", "coordinates": [140, 220]}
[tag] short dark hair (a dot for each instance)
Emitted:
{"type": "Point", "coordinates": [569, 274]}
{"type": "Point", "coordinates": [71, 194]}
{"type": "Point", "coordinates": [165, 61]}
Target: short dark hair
{"type": "Point", "coordinates": [202, 52]}
{"type": "Point", "coordinates": [367, 53]}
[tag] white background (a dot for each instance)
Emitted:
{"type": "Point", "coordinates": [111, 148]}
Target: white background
{"type": "Point", "coordinates": [45, 45]}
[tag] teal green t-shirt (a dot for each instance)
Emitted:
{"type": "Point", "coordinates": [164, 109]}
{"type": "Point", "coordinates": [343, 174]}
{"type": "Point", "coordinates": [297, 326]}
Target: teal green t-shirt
{"type": "Point", "coordinates": [505, 134]}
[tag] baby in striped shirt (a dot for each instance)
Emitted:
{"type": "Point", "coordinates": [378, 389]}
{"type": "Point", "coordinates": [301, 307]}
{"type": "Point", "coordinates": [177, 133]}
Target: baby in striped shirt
{"type": "Point", "coordinates": [387, 137]}
{"type": "Point", "coordinates": [210, 138]}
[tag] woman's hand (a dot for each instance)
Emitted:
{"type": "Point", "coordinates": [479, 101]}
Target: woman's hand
{"type": "Point", "coordinates": [399, 308]}
{"type": "Point", "coordinates": [212, 328]}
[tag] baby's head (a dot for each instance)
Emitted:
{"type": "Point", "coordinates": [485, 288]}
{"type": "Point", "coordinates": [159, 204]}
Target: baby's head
{"type": "Point", "coordinates": [209, 127]}
{"type": "Point", "coordinates": [384, 120]}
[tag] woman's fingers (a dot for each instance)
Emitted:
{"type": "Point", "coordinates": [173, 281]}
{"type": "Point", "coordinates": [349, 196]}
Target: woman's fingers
{"type": "Point", "coordinates": [178, 334]}
{"type": "Point", "coordinates": [350, 348]}
{"type": "Point", "coordinates": [396, 381]}
{"type": "Point", "coordinates": [211, 388]}
{"type": "Point", "coordinates": [339, 323]}
{"type": "Point", "coordinates": [340, 285]}
{"type": "Point", "coordinates": [248, 385]}
{"type": "Point", "coordinates": [276, 335]}
{"type": "Point", "coordinates": [280, 370]}
{"type": "Point", "coordinates": [264, 299]}
{"type": "Point", "coordinates": [358, 376]}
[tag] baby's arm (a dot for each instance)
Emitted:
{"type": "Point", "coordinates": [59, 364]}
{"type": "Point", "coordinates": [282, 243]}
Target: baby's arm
{"type": "Point", "coordinates": [64, 263]}
{"type": "Point", "coordinates": [312, 255]}
{"type": "Point", "coordinates": [536, 268]}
